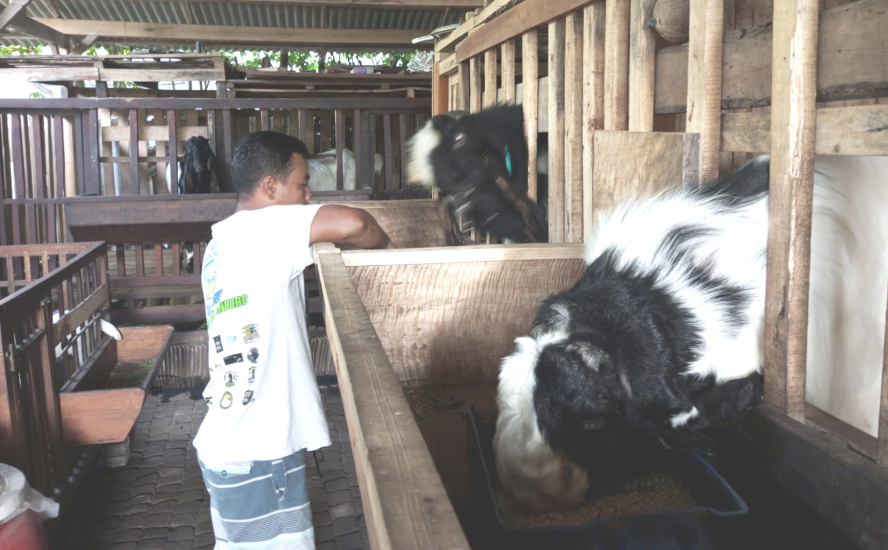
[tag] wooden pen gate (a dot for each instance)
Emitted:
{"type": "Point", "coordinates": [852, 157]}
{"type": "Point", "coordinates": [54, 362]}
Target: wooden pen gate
{"type": "Point", "coordinates": [627, 112]}
{"type": "Point", "coordinates": [52, 149]}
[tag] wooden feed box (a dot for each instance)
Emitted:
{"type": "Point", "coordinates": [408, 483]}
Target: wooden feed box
{"type": "Point", "coordinates": [402, 322]}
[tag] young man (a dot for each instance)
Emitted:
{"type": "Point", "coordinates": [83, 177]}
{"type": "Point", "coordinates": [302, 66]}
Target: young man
{"type": "Point", "coordinates": [264, 405]}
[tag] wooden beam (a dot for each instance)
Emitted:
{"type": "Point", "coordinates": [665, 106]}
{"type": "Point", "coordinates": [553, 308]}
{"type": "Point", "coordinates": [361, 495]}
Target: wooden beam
{"type": "Point", "coordinates": [642, 61]}
{"type": "Point", "coordinates": [448, 43]}
{"type": "Point", "coordinates": [84, 44]}
{"type": "Point", "coordinates": [407, 506]}
{"type": "Point", "coordinates": [616, 65]}
{"type": "Point", "coordinates": [99, 416]}
{"type": "Point", "coordinates": [794, 93]}
{"type": "Point", "coordinates": [474, 84]}
{"type": "Point", "coordinates": [507, 54]}
{"type": "Point", "coordinates": [397, 4]}
{"type": "Point", "coordinates": [850, 491]}
{"type": "Point", "coordinates": [852, 53]}
{"type": "Point", "coordinates": [852, 130]}
{"type": "Point", "coordinates": [209, 34]}
{"type": "Point", "coordinates": [512, 23]}
{"type": "Point", "coordinates": [704, 80]}
{"type": "Point", "coordinates": [490, 77]}
{"type": "Point", "coordinates": [13, 9]}
{"type": "Point", "coordinates": [38, 29]}
{"type": "Point", "coordinates": [74, 318]}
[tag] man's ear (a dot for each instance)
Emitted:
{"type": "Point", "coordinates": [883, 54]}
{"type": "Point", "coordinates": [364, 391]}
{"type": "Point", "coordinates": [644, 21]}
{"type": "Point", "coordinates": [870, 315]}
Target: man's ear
{"type": "Point", "coordinates": [268, 187]}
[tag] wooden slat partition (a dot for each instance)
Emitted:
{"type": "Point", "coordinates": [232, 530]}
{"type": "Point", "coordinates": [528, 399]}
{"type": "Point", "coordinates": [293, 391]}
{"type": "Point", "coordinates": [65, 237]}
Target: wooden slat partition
{"type": "Point", "coordinates": [573, 125]}
{"type": "Point", "coordinates": [556, 132]}
{"type": "Point", "coordinates": [642, 55]}
{"type": "Point", "coordinates": [507, 54]}
{"type": "Point", "coordinates": [529, 71]}
{"type": "Point", "coordinates": [794, 94]}
{"type": "Point", "coordinates": [490, 75]}
{"type": "Point", "coordinates": [704, 81]}
{"type": "Point", "coordinates": [474, 84]}
{"type": "Point", "coordinates": [593, 100]}
{"type": "Point", "coordinates": [616, 65]}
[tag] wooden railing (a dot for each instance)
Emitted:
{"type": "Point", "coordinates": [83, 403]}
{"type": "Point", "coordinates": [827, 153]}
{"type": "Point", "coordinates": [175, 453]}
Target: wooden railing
{"type": "Point", "coordinates": [52, 149]}
{"type": "Point", "coordinates": [36, 282]}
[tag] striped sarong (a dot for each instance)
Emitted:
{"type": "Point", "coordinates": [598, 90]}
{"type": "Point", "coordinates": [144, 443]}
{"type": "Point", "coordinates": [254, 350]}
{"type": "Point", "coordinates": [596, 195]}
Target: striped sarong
{"type": "Point", "coordinates": [264, 509]}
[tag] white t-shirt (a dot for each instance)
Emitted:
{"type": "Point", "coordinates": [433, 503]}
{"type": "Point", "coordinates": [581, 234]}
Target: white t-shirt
{"type": "Point", "coordinates": [263, 397]}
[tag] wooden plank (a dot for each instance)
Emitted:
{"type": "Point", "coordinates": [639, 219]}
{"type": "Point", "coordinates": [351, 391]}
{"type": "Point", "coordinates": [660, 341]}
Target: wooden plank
{"type": "Point", "coordinates": [463, 254]}
{"type": "Point", "coordinates": [39, 183]}
{"type": "Point", "coordinates": [593, 99]}
{"type": "Point", "coordinates": [99, 416]}
{"type": "Point", "coordinates": [853, 438]}
{"type": "Point", "coordinates": [638, 164]}
{"type": "Point", "coordinates": [463, 99]}
{"type": "Point", "coordinates": [530, 73]}
{"type": "Point", "coordinates": [475, 84]}
{"type": "Point", "coordinates": [852, 61]}
{"type": "Point", "coordinates": [492, 9]}
{"type": "Point", "coordinates": [263, 115]}
{"type": "Point", "coordinates": [507, 53]}
{"type": "Point", "coordinates": [490, 77]}
{"type": "Point", "coordinates": [12, 9]}
{"type": "Point", "coordinates": [387, 137]}
{"type": "Point", "coordinates": [142, 343]}
{"type": "Point", "coordinates": [159, 314]}
{"type": "Point", "coordinates": [848, 490]}
{"type": "Point", "coordinates": [339, 132]}
{"type": "Point", "coordinates": [18, 171]}
{"type": "Point", "coordinates": [91, 150]}
{"type": "Point", "coordinates": [37, 29]}
{"type": "Point", "coordinates": [790, 204]}
{"type": "Point", "coordinates": [704, 80]}
{"type": "Point", "coordinates": [173, 146]}
{"type": "Point", "coordinates": [134, 151]}
{"type": "Point", "coordinates": [440, 352]}
{"type": "Point", "coordinates": [642, 61]}
{"type": "Point", "coordinates": [616, 66]}
{"type": "Point", "coordinates": [851, 130]}
{"type": "Point", "coordinates": [402, 153]}
{"type": "Point", "coordinates": [246, 35]}
{"type": "Point", "coordinates": [573, 123]}
{"type": "Point", "coordinates": [68, 322]}
{"type": "Point", "coordinates": [440, 90]}
{"type": "Point", "coordinates": [407, 506]}
{"type": "Point", "coordinates": [512, 23]}
{"type": "Point", "coordinates": [556, 132]}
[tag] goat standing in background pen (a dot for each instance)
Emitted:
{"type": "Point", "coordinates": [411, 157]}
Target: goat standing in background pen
{"type": "Point", "coordinates": [663, 334]}
{"type": "Point", "coordinates": [197, 175]}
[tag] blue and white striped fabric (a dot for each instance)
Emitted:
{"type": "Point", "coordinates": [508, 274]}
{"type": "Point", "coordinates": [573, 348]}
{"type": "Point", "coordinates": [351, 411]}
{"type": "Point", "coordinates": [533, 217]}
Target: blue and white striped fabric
{"type": "Point", "coordinates": [265, 509]}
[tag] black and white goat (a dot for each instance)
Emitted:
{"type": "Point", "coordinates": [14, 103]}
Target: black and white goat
{"type": "Point", "coordinates": [478, 162]}
{"type": "Point", "coordinates": [663, 333]}
{"type": "Point", "coordinates": [196, 176]}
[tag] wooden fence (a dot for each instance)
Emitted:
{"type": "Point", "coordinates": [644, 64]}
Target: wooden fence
{"type": "Point", "coordinates": [52, 149]}
{"type": "Point", "coordinates": [796, 78]}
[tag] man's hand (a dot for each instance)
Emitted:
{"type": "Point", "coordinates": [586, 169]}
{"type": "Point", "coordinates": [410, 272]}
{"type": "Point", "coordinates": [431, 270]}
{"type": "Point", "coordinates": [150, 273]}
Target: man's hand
{"type": "Point", "coordinates": [343, 225]}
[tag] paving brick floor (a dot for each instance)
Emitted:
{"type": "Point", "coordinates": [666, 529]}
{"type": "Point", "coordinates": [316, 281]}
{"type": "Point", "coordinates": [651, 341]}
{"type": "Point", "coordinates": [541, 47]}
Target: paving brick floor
{"type": "Point", "coordinates": [158, 499]}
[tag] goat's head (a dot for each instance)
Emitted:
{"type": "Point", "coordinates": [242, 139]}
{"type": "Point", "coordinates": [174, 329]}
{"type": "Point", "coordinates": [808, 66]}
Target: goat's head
{"type": "Point", "coordinates": [198, 168]}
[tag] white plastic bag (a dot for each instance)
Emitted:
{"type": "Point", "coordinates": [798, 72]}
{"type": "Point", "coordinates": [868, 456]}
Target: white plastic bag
{"type": "Point", "coordinates": [16, 497]}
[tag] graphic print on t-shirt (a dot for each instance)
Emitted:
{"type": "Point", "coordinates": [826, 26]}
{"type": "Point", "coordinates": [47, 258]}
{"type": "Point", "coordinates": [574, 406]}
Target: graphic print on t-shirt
{"type": "Point", "coordinates": [232, 359]}
{"type": "Point", "coordinates": [251, 333]}
{"type": "Point", "coordinates": [230, 379]}
{"type": "Point", "coordinates": [226, 400]}
{"type": "Point", "coordinates": [252, 378]}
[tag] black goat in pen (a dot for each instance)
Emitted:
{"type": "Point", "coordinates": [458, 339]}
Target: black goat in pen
{"type": "Point", "coordinates": [196, 176]}
{"type": "Point", "coordinates": [479, 164]}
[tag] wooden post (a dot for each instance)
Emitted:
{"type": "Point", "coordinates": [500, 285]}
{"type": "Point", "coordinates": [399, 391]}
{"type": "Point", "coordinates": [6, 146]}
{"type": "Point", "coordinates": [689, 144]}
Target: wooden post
{"type": "Point", "coordinates": [705, 48]}
{"type": "Point", "coordinates": [593, 99]}
{"type": "Point", "coordinates": [463, 101]}
{"type": "Point", "coordinates": [793, 96]}
{"type": "Point", "coordinates": [530, 102]}
{"type": "Point", "coordinates": [556, 131]}
{"type": "Point", "coordinates": [616, 66]}
{"type": "Point", "coordinates": [642, 52]}
{"type": "Point", "coordinates": [440, 90]}
{"type": "Point", "coordinates": [474, 84]}
{"type": "Point", "coordinates": [573, 122]}
{"type": "Point", "coordinates": [507, 73]}
{"type": "Point", "coordinates": [490, 77]}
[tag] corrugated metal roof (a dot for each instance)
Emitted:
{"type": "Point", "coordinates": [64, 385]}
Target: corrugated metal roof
{"type": "Point", "coordinates": [238, 15]}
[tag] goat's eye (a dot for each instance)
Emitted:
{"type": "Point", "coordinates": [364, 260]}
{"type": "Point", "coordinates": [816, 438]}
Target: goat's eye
{"type": "Point", "coordinates": [459, 140]}
{"type": "Point", "coordinates": [593, 424]}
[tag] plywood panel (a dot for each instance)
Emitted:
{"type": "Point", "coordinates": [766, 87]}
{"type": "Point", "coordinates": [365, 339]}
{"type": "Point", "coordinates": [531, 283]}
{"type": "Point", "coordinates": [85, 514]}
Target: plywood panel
{"type": "Point", "coordinates": [428, 315]}
{"type": "Point", "coordinates": [630, 164]}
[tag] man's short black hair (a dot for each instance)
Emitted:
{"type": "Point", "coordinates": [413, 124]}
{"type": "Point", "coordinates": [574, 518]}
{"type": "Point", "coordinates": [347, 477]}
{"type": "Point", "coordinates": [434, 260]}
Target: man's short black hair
{"type": "Point", "coordinates": [263, 154]}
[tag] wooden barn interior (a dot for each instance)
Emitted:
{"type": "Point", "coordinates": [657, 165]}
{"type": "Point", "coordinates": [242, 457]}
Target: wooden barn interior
{"type": "Point", "coordinates": [631, 96]}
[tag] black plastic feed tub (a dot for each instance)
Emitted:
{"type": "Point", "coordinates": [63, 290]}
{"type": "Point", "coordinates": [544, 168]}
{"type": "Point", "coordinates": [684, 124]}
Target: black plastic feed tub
{"type": "Point", "coordinates": [715, 522]}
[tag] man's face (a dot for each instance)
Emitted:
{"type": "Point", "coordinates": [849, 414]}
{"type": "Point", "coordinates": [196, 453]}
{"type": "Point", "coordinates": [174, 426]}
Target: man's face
{"type": "Point", "coordinates": [295, 189]}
